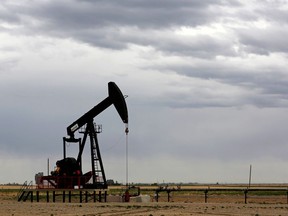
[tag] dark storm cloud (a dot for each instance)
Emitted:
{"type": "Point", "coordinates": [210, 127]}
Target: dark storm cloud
{"type": "Point", "coordinates": [117, 24]}
{"type": "Point", "coordinates": [111, 24]}
{"type": "Point", "coordinates": [160, 14]}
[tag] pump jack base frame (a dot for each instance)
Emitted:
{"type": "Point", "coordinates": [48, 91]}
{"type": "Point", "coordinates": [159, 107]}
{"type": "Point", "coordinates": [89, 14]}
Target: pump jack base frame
{"type": "Point", "coordinates": [97, 173]}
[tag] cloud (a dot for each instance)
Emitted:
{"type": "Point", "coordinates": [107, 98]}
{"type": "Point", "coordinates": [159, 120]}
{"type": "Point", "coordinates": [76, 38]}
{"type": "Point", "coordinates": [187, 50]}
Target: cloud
{"type": "Point", "coordinates": [264, 41]}
{"type": "Point", "coordinates": [99, 23]}
{"type": "Point", "coordinates": [206, 84]}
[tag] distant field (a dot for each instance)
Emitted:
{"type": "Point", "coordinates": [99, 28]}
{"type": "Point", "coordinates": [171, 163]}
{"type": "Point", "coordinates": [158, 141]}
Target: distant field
{"type": "Point", "coordinates": [182, 186]}
{"type": "Point", "coordinates": [205, 186]}
{"type": "Point", "coordinates": [10, 186]}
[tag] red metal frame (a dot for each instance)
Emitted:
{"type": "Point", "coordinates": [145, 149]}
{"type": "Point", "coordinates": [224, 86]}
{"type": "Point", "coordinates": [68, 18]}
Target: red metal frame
{"type": "Point", "coordinates": [64, 182]}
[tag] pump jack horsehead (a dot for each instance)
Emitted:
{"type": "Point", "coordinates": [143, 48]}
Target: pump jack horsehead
{"type": "Point", "coordinates": [68, 173]}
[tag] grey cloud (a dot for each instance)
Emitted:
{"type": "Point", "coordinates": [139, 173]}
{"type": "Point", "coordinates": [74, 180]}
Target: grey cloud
{"type": "Point", "coordinates": [265, 41]}
{"type": "Point", "coordinates": [7, 64]}
{"type": "Point", "coordinates": [190, 96]}
{"type": "Point", "coordinates": [202, 46]}
{"type": "Point", "coordinates": [159, 14]}
{"type": "Point", "coordinates": [100, 22]}
{"type": "Point", "coordinates": [262, 86]}
{"type": "Point", "coordinates": [6, 16]}
{"type": "Point", "coordinates": [225, 134]}
{"type": "Point", "coordinates": [115, 24]}
{"type": "Point", "coordinates": [273, 11]}
{"type": "Point", "coordinates": [271, 81]}
{"type": "Point", "coordinates": [237, 136]}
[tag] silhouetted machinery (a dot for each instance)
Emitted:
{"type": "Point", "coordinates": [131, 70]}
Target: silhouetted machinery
{"type": "Point", "coordinates": [68, 173]}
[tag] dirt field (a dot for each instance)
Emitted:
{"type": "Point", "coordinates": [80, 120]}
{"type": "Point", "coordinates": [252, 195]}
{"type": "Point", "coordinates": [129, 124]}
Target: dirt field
{"type": "Point", "coordinates": [10, 206]}
{"type": "Point", "coordinates": [90, 209]}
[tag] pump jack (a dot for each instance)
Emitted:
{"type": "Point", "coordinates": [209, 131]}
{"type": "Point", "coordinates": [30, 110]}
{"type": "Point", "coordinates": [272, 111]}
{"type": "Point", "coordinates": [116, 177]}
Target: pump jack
{"type": "Point", "coordinates": [69, 170]}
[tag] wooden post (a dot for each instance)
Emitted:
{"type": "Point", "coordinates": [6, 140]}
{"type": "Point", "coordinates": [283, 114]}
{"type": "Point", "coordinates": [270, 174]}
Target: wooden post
{"type": "Point", "coordinates": [86, 196]}
{"type": "Point", "coordinates": [31, 196]}
{"type": "Point", "coordinates": [245, 195]}
{"type": "Point", "coordinates": [105, 196]}
{"type": "Point", "coordinates": [206, 196]}
{"type": "Point", "coordinates": [37, 196]}
{"type": "Point", "coordinates": [69, 196]}
{"type": "Point", "coordinates": [94, 196]}
{"type": "Point", "coordinates": [47, 196]}
{"type": "Point", "coordinates": [63, 196]}
{"type": "Point", "coordinates": [100, 196]}
{"type": "Point", "coordinates": [53, 197]}
{"type": "Point", "coordinates": [80, 196]}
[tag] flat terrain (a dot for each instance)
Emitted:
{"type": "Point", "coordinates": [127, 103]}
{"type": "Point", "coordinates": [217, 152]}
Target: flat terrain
{"type": "Point", "coordinates": [90, 209]}
{"type": "Point", "coordinates": [180, 205]}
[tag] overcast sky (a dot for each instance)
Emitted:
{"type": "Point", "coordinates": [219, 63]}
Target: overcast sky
{"type": "Point", "coordinates": [206, 80]}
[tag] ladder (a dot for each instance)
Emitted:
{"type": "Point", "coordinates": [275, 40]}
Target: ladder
{"type": "Point", "coordinates": [99, 179]}
{"type": "Point", "coordinates": [24, 192]}
{"type": "Point", "coordinates": [95, 161]}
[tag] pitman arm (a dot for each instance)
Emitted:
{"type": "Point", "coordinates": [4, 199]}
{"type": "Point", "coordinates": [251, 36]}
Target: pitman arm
{"type": "Point", "coordinates": [115, 97]}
